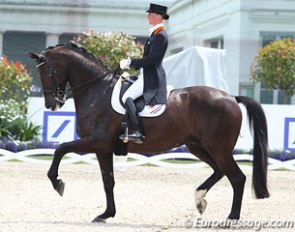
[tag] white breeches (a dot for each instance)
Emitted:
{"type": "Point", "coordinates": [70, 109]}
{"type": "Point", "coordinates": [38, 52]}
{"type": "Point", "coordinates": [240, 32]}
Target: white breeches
{"type": "Point", "coordinates": [135, 90]}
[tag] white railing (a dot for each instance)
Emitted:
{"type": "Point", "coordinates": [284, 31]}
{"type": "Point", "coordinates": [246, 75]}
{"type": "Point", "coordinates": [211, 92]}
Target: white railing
{"type": "Point", "coordinates": [162, 160]}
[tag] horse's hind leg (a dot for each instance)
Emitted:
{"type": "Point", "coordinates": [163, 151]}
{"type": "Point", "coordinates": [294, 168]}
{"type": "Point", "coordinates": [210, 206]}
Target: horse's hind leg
{"type": "Point", "coordinates": [106, 166]}
{"type": "Point", "coordinates": [202, 190]}
{"type": "Point", "coordinates": [237, 179]}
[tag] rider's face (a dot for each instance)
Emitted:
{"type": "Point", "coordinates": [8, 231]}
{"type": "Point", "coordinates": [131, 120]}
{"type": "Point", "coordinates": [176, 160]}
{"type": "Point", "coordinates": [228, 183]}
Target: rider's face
{"type": "Point", "coordinates": [154, 18]}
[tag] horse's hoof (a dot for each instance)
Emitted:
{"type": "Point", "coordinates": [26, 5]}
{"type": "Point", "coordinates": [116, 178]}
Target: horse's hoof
{"type": "Point", "coordinates": [60, 187]}
{"type": "Point", "coordinates": [103, 217]}
{"type": "Point", "coordinates": [201, 203]}
{"type": "Point", "coordinates": [202, 206]}
{"type": "Point", "coordinates": [98, 219]}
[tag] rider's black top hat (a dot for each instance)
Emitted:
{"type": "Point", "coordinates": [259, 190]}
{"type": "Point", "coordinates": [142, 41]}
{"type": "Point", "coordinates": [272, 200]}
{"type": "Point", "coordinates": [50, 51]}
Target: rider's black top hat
{"type": "Point", "coordinates": [162, 10]}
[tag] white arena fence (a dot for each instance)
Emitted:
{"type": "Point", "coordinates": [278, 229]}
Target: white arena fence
{"type": "Point", "coordinates": [161, 160]}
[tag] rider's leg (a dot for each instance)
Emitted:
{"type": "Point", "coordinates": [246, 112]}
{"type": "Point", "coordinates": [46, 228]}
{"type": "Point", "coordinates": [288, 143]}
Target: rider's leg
{"type": "Point", "coordinates": [134, 91]}
{"type": "Point", "coordinates": [136, 135]}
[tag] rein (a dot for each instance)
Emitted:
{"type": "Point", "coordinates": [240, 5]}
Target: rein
{"type": "Point", "coordinates": [86, 85]}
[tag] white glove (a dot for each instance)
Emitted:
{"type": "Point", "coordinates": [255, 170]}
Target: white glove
{"type": "Point", "coordinates": [125, 64]}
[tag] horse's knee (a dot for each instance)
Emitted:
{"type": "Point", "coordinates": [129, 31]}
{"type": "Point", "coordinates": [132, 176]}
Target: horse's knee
{"type": "Point", "coordinates": [61, 150]}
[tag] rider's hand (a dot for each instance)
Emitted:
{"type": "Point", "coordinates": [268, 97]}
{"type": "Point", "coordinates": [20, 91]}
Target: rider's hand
{"type": "Point", "coordinates": [125, 64]}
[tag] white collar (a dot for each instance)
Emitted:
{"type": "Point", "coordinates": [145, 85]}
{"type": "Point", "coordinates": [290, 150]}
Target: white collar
{"type": "Point", "coordinates": [152, 29]}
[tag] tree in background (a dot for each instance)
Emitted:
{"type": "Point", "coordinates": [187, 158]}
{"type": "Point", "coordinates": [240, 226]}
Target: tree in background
{"type": "Point", "coordinates": [110, 47]}
{"type": "Point", "coordinates": [274, 66]}
{"type": "Point", "coordinates": [14, 93]}
{"type": "Point", "coordinates": [15, 83]}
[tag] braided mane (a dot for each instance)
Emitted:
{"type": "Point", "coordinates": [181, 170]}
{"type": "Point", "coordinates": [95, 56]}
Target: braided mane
{"type": "Point", "coordinates": [79, 49]}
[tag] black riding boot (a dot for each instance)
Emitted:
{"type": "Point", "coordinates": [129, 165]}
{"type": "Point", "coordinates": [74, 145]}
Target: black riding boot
{"type": "Point", "coordinates": [136, 135]}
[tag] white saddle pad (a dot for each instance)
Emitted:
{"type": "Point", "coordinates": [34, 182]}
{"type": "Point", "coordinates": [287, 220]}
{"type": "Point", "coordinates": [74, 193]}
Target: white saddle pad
{"type": "Point", "coordinates": [148, 111]}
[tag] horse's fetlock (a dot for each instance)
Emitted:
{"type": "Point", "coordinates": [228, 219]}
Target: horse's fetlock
{"type": "Point", "coordinates": [51, 175]}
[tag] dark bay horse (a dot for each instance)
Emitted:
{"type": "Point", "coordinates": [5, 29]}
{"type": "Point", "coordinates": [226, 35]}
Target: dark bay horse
{"type": "Point", "coordinates": [205, 119]}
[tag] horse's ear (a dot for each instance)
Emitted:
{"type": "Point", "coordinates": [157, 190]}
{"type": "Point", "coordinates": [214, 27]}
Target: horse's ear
{"type": "Point", "coordinates": [36, 56]}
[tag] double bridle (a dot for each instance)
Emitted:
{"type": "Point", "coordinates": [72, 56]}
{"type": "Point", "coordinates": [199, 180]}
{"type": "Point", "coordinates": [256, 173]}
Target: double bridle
{"type": "Point", "coordinates": [59, 92]}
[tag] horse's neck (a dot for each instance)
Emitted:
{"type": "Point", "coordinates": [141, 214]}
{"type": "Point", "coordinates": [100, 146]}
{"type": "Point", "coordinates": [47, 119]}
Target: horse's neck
{"type": "Point", "coordinates": [81, 72]}
{"type": "Point", "coordinates": [96, 95]}
{"type": "Point", "coordinates": [91, 85]}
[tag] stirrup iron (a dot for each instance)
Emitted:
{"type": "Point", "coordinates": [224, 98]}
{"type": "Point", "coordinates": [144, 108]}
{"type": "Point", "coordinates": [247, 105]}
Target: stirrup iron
{"type": "Point", "coordinates": [124, 137]}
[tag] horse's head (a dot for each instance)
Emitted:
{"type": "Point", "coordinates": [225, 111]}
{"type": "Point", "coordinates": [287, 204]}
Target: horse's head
{"type": "Point", "coordinates": [53, 77]}
{"type": "Point", "coordinates": [68, 63]}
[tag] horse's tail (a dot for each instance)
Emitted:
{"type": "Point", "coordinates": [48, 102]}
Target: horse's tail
{"type": "Point", "coordinates": [258, 125]}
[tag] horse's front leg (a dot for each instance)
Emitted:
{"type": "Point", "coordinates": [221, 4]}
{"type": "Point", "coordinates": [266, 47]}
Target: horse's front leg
{"type": "Point", "coordinates": [106, 166]}
{"type": "Point", "coordinates": [81, 145]}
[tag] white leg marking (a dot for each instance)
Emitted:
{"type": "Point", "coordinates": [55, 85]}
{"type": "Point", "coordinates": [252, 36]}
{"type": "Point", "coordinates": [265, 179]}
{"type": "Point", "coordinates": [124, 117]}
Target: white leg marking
{"type": "Point", "coordinates": [200, 201]}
